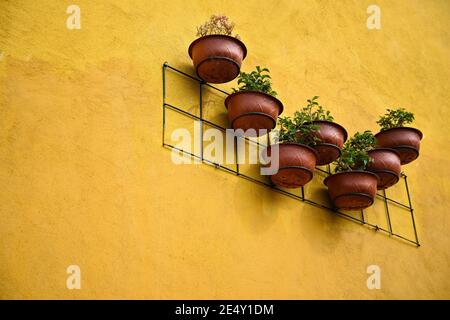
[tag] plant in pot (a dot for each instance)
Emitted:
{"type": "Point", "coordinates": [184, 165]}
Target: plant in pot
{"type": "Point", "coordinates": [296, 158]}
{"type": "Point", "coordinates": [352, 187]}
{"type": "Point", "coordinates": [254, 106]}
{"type": "Point", "coordinates": [385, 163]}
{"type": "Point", "coordinates": [216, 54]}
{"type": "Point", "coordinates": [394, 134]}
{"type": "Point", "coordinates": [331, 136]}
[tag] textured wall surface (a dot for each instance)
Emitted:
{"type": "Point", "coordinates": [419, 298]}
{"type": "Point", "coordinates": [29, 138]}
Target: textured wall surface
{"type": "Point", "coordinates": [84, 178]}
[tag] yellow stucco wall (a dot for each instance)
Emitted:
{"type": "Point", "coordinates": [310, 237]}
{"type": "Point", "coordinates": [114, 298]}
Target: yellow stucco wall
{"type": "Point", "coordinates": [84, 178]}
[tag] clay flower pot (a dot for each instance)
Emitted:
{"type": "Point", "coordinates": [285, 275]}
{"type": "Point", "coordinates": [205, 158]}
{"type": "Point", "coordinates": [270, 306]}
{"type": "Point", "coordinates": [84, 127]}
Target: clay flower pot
{"type": "Point", "coordinates": [386, 165]}
{"type": "Point", "coordinates": [253, 110]}
{"type": "Point", "coordinates": [217, 58]}
{"type": "Point", "coordinates": [405, 140]}
{"type": "Point", "coordinates": [333, 137]}
{"type": "Point", "coordinates": [296, 165]}
{"type": "Point", "coordinates": [352, 190]}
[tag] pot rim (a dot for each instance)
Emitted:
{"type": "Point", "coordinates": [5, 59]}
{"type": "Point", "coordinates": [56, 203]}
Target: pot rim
{"type": "Point", "coordinates": [398, 128]}
{"type": "Point", "coordinates": [330, 145]}
{"type": "Point", "coordinates": [218, 36]}
{"type": "Point", "coordinates": [337, 125]}
{"type": "Point", "coordinates": [372, 200]}
{"type": "Point", "coordinates": [385, 149]}
{"type": "Point", "coordinates": [414, 149]}
{"type": "Point", "coordinates": [347, 172]}
{"type": "Point", "coordinates": [262, 114]}
{"type": "Point", "coordinates": [298, 144]}
{"type": "Point", "coordinates": [311, 173]}
{"type": "Point", "coordinates": [280, 104]}
{"type": "Point", "coordinates": [390, 172]}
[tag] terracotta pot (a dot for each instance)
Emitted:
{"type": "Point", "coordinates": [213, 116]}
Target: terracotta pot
{"type": "Point", "coordinates": [405, 140]}
{"type": "Point", "coordinates": [352, 190]}
{"type": "Point", "coordinates": [296, 165]}
{"type": "Point", "coordinates": [333, 137]}
{"type": "Point", "coordinates": [217, 58]}
{"type": "Point", "coordinates": [253, 110]}
{"type": "Point", "coordinates": [386, 165]}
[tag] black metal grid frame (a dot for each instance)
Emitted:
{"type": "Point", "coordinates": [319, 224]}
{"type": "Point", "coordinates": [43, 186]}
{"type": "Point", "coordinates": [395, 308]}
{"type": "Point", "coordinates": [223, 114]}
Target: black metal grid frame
{"type": "Point", "coordinates": [301, 195]}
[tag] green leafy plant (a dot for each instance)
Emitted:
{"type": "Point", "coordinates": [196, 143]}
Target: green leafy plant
{"type": "Point", "coordinates": [258, 80]}
{"type": "Point", "coordinates": [394, 118]}
{"type": "Point", "coordinates": [300, 128]}
{"type": "Point", "coordinates": [290, 131]}
{"type": "Point", "coordinates": [312, 112]}
{"type": "Point", "coordinates": [217, 24]}
{"type": "Point", "coordinates": [365, 141]}
{"type": "Point", "coordinates": [354, 154]}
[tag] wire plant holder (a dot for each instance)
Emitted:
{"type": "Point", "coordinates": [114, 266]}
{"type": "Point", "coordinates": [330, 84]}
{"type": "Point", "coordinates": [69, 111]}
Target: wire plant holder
{"type": "Point", "coordinates": [298, 194]}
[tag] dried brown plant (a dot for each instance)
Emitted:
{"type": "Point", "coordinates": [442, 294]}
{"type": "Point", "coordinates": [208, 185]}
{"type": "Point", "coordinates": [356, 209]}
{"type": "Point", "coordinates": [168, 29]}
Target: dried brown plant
{"type": "Point", "coordinates": [217, 24]}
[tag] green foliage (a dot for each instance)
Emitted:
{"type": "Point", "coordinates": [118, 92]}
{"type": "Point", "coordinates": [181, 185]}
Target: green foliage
{"type": "Point", "coordinates": [291, 131]}
{"type": "Point", "coordinates": [301, 129]}
{"type": "Point", "coordinates": [308, 114]}
{"type": "Point", "coordinates": [217, 24]}
{"type": "Point", "coordinates": [394, 118]}
{"type": "Point", "coordinates": [354, 154]}
{"type": "Point", "coordinates": [362, 141]}
{"type": "Point", "coordinates": [258, 80]}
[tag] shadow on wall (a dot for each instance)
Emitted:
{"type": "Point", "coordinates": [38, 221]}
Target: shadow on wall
{"type": "Point", "coordinates": [258, 208]}
{"type": "Point", "coordinates": [321, 228]}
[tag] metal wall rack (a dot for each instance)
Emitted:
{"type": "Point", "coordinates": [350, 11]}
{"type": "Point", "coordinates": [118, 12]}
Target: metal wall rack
{"type": "Point", "coordinates": [298, 194]}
